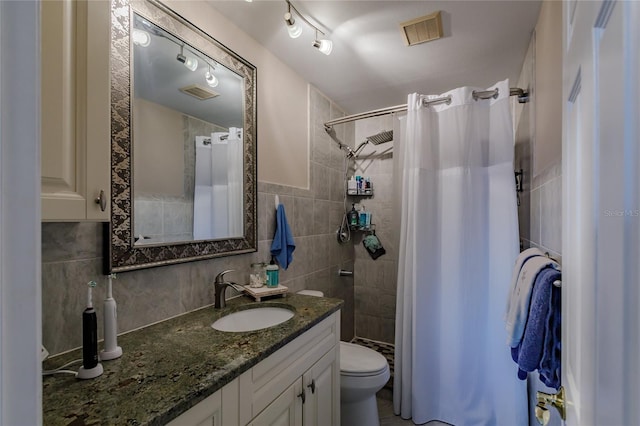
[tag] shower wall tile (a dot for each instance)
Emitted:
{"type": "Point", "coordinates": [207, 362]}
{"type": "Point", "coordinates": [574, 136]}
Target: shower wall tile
{"type": "Point", "coordinates": [551, 214]}
{"type": "Point", "coordinates": [72, 255]}
{"type": "Point", "coordinates": [303, 216]}
{"type": "Point", "coordinates": [320, 181]}
{"type": "Point", "coordinates": [321, 216]}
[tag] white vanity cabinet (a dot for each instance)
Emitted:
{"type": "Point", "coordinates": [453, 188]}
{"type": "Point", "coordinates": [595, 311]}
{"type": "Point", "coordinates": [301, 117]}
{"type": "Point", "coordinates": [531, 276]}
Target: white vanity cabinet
{"type": "Point", "coordinates": [298, 385]}
{"type": "Point", "coordinates": [209, 412]}
{"type": "Point", "coordinates": [75, 110]}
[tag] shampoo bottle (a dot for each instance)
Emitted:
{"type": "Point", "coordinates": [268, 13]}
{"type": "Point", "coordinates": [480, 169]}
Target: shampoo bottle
{"type": "Point", "coordinates": [352, 217]}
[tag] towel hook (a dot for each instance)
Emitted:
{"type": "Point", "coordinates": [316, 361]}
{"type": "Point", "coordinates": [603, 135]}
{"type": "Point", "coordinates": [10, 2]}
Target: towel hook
{"type": "Point", "coordinates": [277, 199]}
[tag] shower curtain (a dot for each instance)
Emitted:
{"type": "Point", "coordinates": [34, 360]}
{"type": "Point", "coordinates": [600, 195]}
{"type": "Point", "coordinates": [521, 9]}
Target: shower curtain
{"type": "Point", "coordinates": [458, 244]}
{"type": "Point", "coordinates": [218, 203]}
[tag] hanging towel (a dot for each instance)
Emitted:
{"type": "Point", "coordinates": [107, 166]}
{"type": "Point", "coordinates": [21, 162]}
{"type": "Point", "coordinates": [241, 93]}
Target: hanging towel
{"type": "Point", "coordinates": [550, 364]}
{"type": "Point", "coordinates": [283, 245]}
{"type": "Point", "coordinates": [521, 297]}
{"type": "Point", "coordinates": [531, 348]}
{"type": "Point", "coordinates": [373, 246]}
{"type": "Point", "coordinates": [522, 258]}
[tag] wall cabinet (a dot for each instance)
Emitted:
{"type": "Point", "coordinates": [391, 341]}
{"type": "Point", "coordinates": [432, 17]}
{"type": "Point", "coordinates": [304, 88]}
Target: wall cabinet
{"type": "Point", "coordinates": [298, 385]}
{"type": "Point", "coordinates": [75, 110]}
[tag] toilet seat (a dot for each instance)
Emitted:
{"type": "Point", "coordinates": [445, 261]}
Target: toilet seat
{"type": "Point", "coordinates": [358, 361]}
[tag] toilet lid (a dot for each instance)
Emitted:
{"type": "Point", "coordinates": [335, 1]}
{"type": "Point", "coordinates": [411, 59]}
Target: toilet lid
{"type": "Point", "coordinates": [356, 360]}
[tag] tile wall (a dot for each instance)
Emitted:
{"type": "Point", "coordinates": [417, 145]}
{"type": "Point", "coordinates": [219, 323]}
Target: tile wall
{"type": "Point", "coordinates": [540, 209]}
{"type": "Point", "coordinates": [72, 253]}
{"type": "Point", "coordinates": [375, 280]}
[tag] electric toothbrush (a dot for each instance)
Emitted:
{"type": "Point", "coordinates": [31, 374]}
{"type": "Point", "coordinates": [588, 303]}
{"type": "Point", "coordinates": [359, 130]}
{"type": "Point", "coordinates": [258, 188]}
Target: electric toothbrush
{"type": "Point", "coordinates": [90, 366]}
{"type": "Point", "coordinates": [111, 348]}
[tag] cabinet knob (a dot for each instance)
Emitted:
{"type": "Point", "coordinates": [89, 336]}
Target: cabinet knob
{"type": "Point", "coordinates": [312, 386]}
{"type": "Point", "coordinates": [101, 200]}
{"type": "Point", "coordinates": [303, 396]}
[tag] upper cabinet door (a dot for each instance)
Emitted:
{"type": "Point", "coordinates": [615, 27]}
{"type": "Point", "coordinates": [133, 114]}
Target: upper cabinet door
{"type": "Point", "coordinates": [75, 110]}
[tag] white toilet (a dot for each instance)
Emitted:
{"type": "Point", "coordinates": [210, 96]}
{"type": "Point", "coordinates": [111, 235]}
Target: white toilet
{"type": "Point", "coordinates": [363, 372]}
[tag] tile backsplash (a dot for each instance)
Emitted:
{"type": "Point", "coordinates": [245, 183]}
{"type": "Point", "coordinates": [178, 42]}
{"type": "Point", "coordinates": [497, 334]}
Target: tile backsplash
{"type": "Point", "coordinates": [72, 254]}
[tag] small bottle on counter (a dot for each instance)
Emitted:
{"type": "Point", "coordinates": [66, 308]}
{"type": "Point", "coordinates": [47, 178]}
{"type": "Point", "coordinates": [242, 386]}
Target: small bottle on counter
{"type": "Point", "coordinates": [272, 274]}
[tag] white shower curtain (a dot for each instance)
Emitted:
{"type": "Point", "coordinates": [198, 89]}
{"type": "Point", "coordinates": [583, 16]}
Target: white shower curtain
{"type": "Point", "coordinates": [235, 173]}
{"type": "Point", "coordinates": [458, 243]}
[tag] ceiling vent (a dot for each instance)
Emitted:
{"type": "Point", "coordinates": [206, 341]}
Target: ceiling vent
{"type": "Point", "coordinates": [423, 29]}
{"type": "Point", "coordinates": [199, 92]}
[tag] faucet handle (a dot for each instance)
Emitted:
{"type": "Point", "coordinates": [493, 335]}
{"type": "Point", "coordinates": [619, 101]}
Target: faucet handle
{"type": "Point", "coordinates": [220, 277]}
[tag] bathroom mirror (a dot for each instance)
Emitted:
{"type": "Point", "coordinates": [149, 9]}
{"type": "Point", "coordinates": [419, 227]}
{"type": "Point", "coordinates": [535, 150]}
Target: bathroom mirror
{"type": "Point", "coordinates": [183, 141]}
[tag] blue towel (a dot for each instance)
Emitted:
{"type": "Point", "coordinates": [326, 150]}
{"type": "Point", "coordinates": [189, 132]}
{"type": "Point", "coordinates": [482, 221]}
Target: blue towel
{"type": "Point", "coordinates": [551, 355]}
{"type": "Point", "coordinates": [283, 246]}
{"type": "Point", "coordinates": [539, 331]}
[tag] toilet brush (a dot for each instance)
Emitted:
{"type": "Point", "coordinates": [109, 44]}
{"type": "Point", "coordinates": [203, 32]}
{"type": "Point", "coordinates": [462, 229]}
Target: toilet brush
{"type": "Point", "coordinates": [111, 348]}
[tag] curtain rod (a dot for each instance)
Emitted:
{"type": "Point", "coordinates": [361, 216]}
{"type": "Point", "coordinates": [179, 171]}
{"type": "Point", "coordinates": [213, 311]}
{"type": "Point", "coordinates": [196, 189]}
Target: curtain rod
{"type": "Point", "coordinates": [523, 97]}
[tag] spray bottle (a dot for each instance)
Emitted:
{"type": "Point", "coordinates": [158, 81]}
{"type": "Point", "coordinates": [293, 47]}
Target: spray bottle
{"type": "Point", "coordinates": [90, 366]}
{"type": "Point", "coordinates": [111, 348]}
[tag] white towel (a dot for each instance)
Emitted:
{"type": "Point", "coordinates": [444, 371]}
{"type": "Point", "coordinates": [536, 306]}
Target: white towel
{"type": "Point", "coordinates": [522, 257]}
{"type": "Point", "coordinates": [521, 297]}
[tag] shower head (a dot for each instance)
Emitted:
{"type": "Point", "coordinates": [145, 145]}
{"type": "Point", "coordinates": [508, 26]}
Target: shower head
{"type": "Point", "coordinates": [377, 139]}
{"type": "Point", "coordinates": [382, 137]}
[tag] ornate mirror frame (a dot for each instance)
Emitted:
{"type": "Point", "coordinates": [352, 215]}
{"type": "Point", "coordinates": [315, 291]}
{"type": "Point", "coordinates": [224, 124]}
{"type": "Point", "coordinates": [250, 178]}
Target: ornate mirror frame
{"type": "Point", "coordinates": [123, 255]}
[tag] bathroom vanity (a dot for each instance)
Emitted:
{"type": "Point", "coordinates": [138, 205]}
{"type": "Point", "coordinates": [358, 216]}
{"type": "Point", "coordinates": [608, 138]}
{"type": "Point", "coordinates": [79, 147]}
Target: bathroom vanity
{"type": "Point", "coordinates": [183, 372]}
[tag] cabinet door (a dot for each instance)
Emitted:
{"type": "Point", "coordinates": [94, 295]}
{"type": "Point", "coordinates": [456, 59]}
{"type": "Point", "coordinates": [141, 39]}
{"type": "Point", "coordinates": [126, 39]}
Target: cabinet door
{"type": "Point", "coordinates": [75, 109]}
{"type": "Point", "coordinates": [286, 410]}
{"type": "Point", "coordinates": [322, 386]}
{"type": "Point", "coordinates": [205, 413]}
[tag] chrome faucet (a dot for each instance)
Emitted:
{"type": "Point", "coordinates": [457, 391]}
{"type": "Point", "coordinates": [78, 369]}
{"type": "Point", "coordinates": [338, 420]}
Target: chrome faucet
{"type": "Point", "coordinates": [220, 285]}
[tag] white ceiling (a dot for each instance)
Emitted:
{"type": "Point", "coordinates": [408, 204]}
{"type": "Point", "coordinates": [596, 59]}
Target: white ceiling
{"type": "Point", "coordinates": [370, 66]}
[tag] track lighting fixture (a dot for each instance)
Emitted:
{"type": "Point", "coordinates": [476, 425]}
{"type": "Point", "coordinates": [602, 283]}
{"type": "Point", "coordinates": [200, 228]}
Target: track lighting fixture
{"type": "Point", "coordinates": [211, 79]}
{"type": "Point", "coordinates": [141, 37]}
{"type": "Point", "coordinates": [188, 61]}
{"type": "Point", "coordinates": [323, 45]}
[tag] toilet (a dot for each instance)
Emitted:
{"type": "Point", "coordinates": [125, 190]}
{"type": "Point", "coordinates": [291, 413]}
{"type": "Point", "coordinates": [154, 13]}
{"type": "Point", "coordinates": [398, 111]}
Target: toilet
{"type": "Point", "coordinates": [363, 372]}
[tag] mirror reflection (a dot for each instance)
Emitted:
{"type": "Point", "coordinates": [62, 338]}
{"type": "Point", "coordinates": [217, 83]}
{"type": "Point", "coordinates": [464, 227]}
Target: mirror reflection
{"type": "Point", "coordinates": [187, 119]}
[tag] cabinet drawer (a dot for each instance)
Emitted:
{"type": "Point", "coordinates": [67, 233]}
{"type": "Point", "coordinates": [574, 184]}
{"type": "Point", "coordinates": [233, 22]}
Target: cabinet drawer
{"type": "Point", "coordinates": [276, 373]}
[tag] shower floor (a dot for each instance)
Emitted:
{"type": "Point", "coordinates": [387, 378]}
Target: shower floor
{"type": "Point", "coordinates": [385, 349]}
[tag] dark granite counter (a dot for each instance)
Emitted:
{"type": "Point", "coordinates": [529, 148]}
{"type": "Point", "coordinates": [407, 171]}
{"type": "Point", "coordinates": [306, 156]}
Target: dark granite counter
{"type": "Point", "coordinates": [169, 367]}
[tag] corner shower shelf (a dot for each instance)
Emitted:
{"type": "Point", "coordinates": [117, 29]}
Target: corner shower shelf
{"type": "Point", "coordinates": [361, 193]}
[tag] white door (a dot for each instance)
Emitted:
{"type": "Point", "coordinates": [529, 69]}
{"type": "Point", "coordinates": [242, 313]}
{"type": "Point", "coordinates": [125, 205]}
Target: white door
{"type": "Point", "coordinates": [601, 222]}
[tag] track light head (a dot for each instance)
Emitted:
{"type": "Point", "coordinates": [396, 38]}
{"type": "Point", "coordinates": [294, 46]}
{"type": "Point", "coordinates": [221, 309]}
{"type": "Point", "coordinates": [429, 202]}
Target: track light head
{"type": "Point", "coordinates": [325, 46]}
{"type": "Point", "coordinates": [188, 61]}
{"type": "Point", "coordinates": [141, 37]}
{"type": "Point", "coordinates": [211, 79]}
{"type": "Point", "coordinates": [294, 29]}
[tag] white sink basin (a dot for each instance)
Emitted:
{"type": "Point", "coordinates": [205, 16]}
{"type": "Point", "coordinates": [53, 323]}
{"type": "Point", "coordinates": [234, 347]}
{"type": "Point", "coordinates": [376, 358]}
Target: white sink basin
{"type": "Point", "coordinates": [253, 319]}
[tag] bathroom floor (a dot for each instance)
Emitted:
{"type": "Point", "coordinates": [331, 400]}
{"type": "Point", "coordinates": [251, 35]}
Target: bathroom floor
{"type": "Point", "coordinates": [385, 412]}
{"type": "Point", "coordinates": [385, 396]}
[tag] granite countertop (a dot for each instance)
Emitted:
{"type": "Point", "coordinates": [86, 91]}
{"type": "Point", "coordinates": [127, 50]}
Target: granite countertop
{"type": "Point", "coordinates": [170, 366]}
